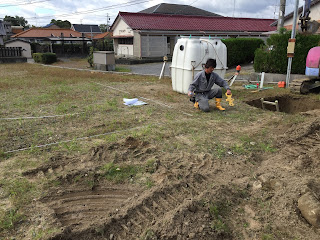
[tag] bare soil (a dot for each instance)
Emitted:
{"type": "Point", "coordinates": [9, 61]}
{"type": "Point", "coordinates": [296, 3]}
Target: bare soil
{"type": "Point", "coordinates": [204, 182]}
{"type": "Point", "coordinates": [196, 196]}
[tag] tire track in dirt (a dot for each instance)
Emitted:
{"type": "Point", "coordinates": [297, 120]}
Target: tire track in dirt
{"type": "Point", "coordinates": [149, 209]}
{"type": "Point", "coordinates": [154, 207]}
{"type": "Point", "coordinates": [84, 207]}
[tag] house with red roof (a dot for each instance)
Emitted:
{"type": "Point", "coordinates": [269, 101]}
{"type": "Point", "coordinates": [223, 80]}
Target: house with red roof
{"type": "Point", "coordinates": [103, 41]}
{"type": "Point", "coordinates": [148, 35]}
{"type": "Point", "coordinates": [40, 35]}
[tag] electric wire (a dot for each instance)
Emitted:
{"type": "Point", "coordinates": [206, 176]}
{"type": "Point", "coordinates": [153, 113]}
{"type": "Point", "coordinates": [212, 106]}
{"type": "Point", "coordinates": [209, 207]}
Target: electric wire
{"type": "Point", "coordinates": [21, 4]}
{"type": "Point", "coordinates": [40, 117]}
{"type": "Point", "coordinates": [130, 3]}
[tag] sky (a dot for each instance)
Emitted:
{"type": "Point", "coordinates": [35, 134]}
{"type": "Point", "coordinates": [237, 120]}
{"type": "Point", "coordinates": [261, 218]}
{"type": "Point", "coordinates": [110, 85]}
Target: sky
{"type": "Point", "coordinates": [40, 12]}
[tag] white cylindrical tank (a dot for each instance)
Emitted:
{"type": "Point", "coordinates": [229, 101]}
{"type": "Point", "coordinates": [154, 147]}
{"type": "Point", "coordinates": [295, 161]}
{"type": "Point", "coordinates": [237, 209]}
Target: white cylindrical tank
{"type": "Point", "coordinates": [189, 56]}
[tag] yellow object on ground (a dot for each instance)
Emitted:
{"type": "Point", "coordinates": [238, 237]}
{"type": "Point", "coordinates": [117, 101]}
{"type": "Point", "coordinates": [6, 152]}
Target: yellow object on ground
{"type": "Point", "coordinates": [196, 105]}
{"type": "Point", "coordinates": [218, 104]}
{"type": "Point", "coordinates": [230, 100]}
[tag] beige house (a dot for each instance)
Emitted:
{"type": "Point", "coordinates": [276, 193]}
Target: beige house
{"type": "Point", "coordinates": [25, 45]}
{"type": "Point", "coordinates": [153, 35]}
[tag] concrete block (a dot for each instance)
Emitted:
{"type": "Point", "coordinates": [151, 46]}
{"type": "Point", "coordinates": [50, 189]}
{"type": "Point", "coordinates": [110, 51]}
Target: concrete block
{"type": "Point", "coordinates": [104, 67]}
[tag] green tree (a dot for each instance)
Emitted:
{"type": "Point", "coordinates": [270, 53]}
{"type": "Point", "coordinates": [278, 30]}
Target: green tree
{"type": "Point", "coordinates": [104, 27]}
{"type": "Point", "coordinates": [61, 24]}
{"type": "Point", "coordinates": [16, 21]}
{"type": "Point", "coordinates": [273, 57]}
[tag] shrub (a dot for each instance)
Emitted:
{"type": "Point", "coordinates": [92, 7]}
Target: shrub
{"type": "Point", "coordinates": [90, 57]}
{"type": "Point", "coordinates": [37, 57]}
{"type": "Point", "coordinates": [241, 50]}
{"type": "Point", "coordinates": [45, 58]}
{"type": "Point", "coordinates": [273, 57]}
{"type": "Point", "coordinates": [48, 58]}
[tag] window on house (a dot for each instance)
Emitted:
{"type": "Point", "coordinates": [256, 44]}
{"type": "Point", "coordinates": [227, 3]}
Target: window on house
{"type": "Point", "coordinates": [128, 41]}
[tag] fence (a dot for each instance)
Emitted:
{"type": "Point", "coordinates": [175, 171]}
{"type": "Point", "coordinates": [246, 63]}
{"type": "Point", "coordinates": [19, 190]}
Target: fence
{"type": "Point", "coordinates": [10, 52]}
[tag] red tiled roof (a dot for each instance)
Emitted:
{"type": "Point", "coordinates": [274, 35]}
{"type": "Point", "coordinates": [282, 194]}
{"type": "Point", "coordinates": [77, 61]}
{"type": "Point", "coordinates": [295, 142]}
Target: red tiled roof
{"type": "Point", "coordinates": [16, 30]}
{"type": "Point", "coordinates": [144, 21]}
{"type": "Point", "coordinates": [46, 32]}
{"type": "Point", "coordinates": [102, 35]}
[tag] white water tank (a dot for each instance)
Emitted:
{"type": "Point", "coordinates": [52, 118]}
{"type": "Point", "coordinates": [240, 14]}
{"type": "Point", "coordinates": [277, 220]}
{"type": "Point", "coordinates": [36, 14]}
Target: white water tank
{"type": "Point", "coordinates": [189, 56]}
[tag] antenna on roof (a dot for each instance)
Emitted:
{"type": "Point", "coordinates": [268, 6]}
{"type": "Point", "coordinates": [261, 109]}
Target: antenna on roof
{"type": "Point", "coordinates": [234, 7]}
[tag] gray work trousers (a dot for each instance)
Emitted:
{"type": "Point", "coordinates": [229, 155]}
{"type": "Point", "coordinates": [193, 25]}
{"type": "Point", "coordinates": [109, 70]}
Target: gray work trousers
{"type": "Point", "coordinates": [203, 98]}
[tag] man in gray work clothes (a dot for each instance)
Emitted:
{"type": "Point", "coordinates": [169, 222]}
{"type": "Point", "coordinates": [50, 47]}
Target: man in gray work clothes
{"type": "Point", "coordinates": [201, 88]}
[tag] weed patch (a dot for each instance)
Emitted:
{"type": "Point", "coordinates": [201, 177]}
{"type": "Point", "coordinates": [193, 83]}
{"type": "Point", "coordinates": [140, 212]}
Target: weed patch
{"type": "Point", "coordinates": [20, 191]}
{"type": "Point", "coordinates": [122, 69]}
{"type": "Point", "coordinates": [120, 173]}
{"type": "Point", "coordinates": [218, 211]}
{"type": "Point", "coordinates": [9, 219]}
{"type": "Point", "coordinates": [248, 145]}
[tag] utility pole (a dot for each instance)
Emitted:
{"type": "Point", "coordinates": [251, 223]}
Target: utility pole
{"type": "Point", "coordinates": [282, 10]}
{"type": "Point", "coordinates": [108, 19]}
{"type": "Point", "coordinates": [292, 42]}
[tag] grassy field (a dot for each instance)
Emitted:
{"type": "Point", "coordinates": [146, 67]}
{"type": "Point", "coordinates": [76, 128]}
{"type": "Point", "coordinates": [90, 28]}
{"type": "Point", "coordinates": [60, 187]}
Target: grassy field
{"type": "Point", "coordinates": [47, 112]}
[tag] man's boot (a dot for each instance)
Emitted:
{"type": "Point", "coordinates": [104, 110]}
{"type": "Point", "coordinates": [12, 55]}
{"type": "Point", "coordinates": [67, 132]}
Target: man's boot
{"type": "Point", "coordinates": [218, 104]}
{"type": "Point", "coordinates": [196, 105]}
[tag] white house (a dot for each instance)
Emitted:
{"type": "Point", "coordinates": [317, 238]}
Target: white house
{"type": "Point", "coordinates": [25, 45]}
{"type": "Point", "coordinates": [153, 35]}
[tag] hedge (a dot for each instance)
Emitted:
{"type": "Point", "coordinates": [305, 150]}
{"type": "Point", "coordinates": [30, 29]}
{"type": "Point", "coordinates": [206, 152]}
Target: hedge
{"type": "Point", "coordinates": [45, 58]}
{"type": "Point", "coordinates": [273, 57]}
{"type": "Point", "coordinates": [241, 50]}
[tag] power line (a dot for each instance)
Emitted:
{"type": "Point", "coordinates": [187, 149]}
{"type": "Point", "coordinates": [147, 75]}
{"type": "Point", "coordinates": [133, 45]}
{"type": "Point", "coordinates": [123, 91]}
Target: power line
{"type": "Point", "coordinates": [12, 5]}
{"type": "Point", "coordinates": [97, 9]}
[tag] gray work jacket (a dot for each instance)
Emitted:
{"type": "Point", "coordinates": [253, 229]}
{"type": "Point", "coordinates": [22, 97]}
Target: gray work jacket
{"type": "Point", "coordinates": [200, 83]}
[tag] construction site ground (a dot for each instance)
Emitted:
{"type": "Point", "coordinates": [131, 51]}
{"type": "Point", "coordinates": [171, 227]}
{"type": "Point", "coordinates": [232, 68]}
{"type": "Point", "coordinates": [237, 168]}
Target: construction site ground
{"type": "Point", "coordinates": [76, 163]}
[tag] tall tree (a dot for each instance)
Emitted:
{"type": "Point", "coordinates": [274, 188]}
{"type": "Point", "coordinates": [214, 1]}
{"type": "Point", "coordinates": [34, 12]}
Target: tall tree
{"type": "Point", "coordinates": [16, 21]}
{"type": "Point", "coordinates": [104, 27]}
{"type": "Point", "coordinates": [61, 24]}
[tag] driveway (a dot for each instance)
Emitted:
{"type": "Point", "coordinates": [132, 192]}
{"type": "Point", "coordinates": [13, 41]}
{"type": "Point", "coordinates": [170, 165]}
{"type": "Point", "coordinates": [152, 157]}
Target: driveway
{"type": "Point", "coordinates": [155, 69]}
{"type": "Point", "coordinates": [150, 69]}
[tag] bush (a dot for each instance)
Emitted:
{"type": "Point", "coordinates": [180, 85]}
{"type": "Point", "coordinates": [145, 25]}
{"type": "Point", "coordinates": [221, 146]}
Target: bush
{"type": "Point", "coordinates": [45, 58]}
{"type": "Point", "coordinates": [273, 57]}
{"type": "Point", "coordinates": [37, 57]}
{"type": "Point", "coordinates": [241, 50]}
{"type": "Point", "coordinates": [90, 56]}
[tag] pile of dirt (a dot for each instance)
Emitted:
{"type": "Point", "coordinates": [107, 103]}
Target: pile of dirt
{"type": "Point", "coordinates": [128, 150]}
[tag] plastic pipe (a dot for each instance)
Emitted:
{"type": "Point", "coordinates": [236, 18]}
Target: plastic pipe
{"type": "Point", "coordinates": [262, 79]}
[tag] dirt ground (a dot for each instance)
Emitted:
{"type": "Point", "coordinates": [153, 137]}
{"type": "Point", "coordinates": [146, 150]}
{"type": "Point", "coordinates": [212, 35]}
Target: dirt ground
{"type": "Point", "coordinates": [196, 196]}
{"type": "Point", "coordinates": [208, 186]}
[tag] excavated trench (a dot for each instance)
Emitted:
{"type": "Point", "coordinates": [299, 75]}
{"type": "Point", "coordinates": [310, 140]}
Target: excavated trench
{"type": "Point", "coordinates": [287, 103]}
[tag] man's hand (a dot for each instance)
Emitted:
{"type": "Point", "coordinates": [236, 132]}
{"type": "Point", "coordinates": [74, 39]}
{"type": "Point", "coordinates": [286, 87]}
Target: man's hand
{"type": "Point", "coordinates": [228, 92]}
{"type": "Point", "coordinates": [190, 94]}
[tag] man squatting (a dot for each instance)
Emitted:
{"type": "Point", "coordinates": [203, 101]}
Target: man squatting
{"type": "Point", "coordinates": [200, 90]}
